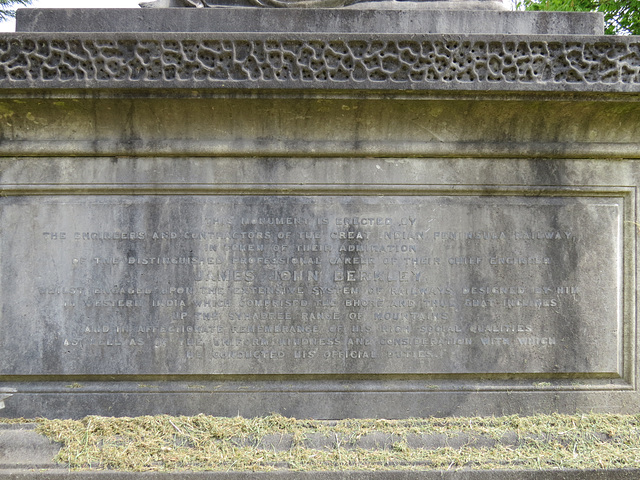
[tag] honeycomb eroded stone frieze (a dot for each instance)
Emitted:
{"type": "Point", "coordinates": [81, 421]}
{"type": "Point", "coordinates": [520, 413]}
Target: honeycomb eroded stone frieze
{"type": "Point", "coordinates": [416, 60]}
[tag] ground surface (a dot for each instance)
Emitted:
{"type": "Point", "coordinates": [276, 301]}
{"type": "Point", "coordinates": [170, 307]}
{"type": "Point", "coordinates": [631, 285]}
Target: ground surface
{"type": "Point", "coordinates": [276, 443]}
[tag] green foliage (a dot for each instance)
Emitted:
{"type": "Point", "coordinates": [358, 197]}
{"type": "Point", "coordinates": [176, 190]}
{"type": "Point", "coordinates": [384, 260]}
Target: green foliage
{"type": "Point", "coordinates": [7, 8]}
{"type": "Point", "coordinates": [621, 17]}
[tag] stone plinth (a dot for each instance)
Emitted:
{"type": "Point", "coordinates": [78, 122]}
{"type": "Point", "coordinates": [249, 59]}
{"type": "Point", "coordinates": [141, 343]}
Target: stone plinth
{"type": "Point", "coordinates": [418, 20]}
{"type": "Point", "coordinates": [318, 224]}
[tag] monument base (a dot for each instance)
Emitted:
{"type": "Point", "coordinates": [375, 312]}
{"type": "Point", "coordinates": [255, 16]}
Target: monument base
{"type": "Point", "coordinates": [409, 248]}
{"type": "Point", "coordinates": [323, 225]}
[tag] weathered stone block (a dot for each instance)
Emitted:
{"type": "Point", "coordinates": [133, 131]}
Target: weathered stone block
{"type": "Point", "coordinates": [401, 19]}
{"type": "Point", "coordinates": [388, 225]}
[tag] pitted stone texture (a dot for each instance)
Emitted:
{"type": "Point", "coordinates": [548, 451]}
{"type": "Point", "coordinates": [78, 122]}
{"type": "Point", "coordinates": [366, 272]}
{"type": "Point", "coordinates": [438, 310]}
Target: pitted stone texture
{"type": "Point", "coordinates": [23, 447]}
{"type": "Point", "coordinates": [355, 62]}
{"type": "Point", "coordinates": [276, 442]}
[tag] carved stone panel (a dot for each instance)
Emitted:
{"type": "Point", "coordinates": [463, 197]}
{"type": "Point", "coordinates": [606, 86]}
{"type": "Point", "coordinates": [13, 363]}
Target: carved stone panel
{"type": "Point", "coordinates": [429, 285]}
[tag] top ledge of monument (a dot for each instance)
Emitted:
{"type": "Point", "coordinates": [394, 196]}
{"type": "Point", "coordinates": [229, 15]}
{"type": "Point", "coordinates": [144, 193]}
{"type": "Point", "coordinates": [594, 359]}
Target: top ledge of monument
{"type": "Point", "coordinates": [410, 17]}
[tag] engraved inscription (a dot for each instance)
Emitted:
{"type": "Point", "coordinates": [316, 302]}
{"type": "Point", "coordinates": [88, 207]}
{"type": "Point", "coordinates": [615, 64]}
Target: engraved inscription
{"type": "Point", "coordinates": [311, 285]}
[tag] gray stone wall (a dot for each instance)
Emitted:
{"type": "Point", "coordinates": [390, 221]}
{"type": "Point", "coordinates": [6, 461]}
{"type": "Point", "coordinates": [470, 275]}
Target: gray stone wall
{"type": "Point", "coordinates": [318, 225]}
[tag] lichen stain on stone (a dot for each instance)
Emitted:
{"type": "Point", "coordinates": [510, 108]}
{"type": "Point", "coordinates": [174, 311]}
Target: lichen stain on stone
{"type": "Point", "coordinates": [37, 120]}
{"type": "Point", "coordinates": [6, 112]}
{"type": "Point", "coordinates": [436, 112]}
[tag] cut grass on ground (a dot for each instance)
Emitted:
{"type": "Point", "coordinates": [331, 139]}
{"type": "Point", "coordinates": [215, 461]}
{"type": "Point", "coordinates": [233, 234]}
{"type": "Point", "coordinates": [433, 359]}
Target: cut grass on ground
{"type": "Point", "coordinates": [165, 443]}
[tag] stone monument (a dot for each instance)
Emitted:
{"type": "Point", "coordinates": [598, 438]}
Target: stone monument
{"type": "Point", "coordinates": [382, 210]}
